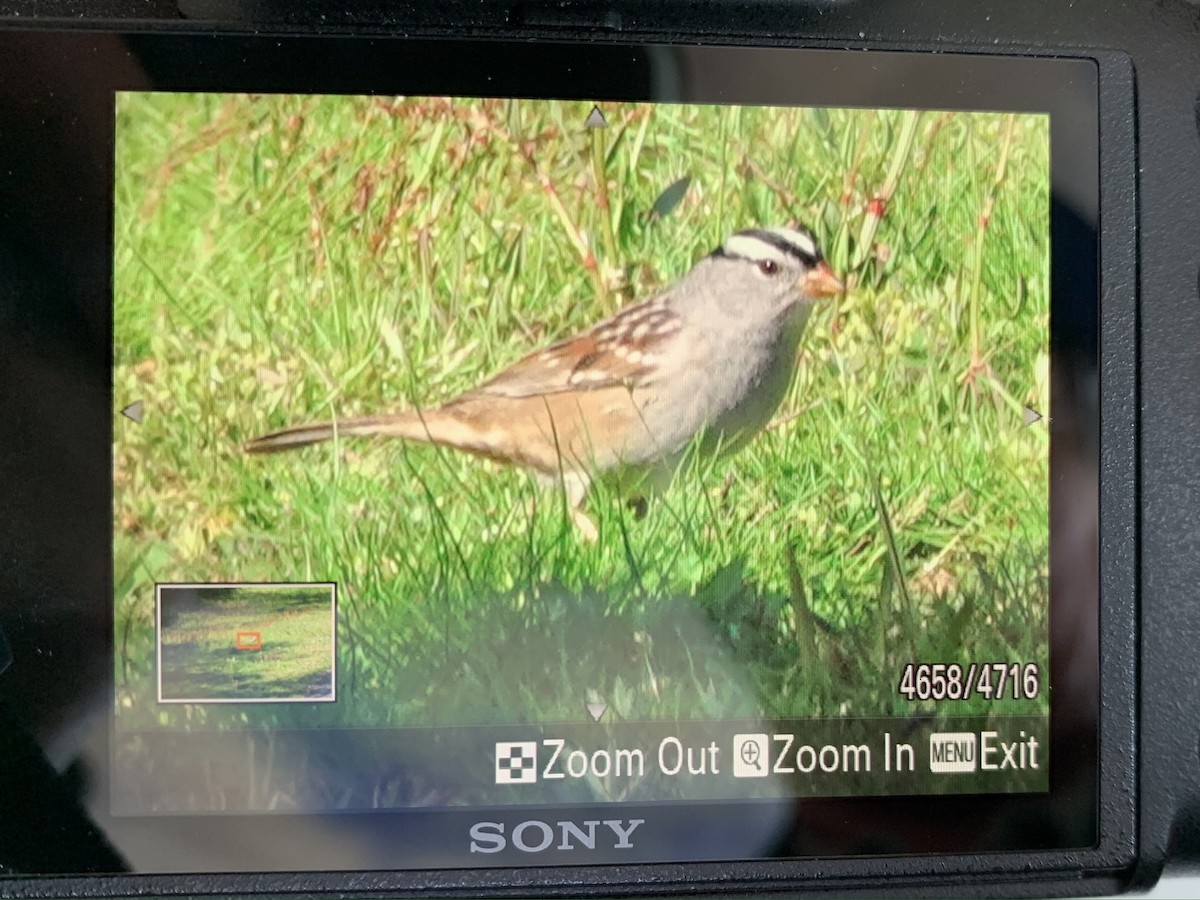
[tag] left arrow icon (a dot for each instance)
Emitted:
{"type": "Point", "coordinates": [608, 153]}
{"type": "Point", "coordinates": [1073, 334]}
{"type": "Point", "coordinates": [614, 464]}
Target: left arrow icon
{"type": "Point", "coordinates": [134, 411]}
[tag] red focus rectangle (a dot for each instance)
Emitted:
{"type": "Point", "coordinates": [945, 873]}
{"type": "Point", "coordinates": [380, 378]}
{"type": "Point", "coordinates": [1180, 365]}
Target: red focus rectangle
{"type": "Point", "coordinates": [249, 640]}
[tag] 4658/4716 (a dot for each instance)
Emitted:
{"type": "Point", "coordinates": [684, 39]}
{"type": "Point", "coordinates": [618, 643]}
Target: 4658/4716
{"type": "Point", "coordinates": [983, 680]}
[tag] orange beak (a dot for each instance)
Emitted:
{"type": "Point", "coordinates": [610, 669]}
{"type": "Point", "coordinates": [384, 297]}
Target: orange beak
{"type": "Point", "coordinates": [821, 282]}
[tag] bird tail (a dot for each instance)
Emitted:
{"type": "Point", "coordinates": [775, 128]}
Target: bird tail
{"type": "Point", "coordinates": [430, 427]}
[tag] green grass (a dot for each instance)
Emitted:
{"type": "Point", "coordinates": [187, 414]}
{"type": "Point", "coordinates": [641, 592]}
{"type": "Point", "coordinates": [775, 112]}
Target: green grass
{"type": "Point", "coordinates": [200, 657]}
{"type": "Point", "coordinates": [284, 259]}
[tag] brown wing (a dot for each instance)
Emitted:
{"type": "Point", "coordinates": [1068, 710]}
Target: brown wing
{"type": "Point", "coordinates": [619, 351]}
{"type": "Point", "coordinates": [591, 430]}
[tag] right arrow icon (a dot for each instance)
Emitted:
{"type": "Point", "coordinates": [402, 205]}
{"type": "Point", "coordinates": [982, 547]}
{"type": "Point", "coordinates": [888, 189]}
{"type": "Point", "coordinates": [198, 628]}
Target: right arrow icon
{"type": "Point", "coordinates": [1030, 416]}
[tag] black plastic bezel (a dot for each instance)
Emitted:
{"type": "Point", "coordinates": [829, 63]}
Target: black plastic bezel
{"type": "Point", "coordinates": [1114, 850]}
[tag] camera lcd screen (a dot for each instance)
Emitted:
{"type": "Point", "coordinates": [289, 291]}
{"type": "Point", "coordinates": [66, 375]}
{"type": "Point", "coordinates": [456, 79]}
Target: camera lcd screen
{"type": "Point", "coordinates": [711, 621]}
{"type": "Point", "coordinates": [496, 468]}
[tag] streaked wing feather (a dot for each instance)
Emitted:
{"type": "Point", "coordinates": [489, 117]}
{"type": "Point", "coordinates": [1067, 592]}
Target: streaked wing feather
{"type": "Point", "coordinates": [620, 350]}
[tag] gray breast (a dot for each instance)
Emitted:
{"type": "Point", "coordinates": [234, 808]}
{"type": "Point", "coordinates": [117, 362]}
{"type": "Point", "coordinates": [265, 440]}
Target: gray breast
{"type": "Point", "coordinates": [759, 376]}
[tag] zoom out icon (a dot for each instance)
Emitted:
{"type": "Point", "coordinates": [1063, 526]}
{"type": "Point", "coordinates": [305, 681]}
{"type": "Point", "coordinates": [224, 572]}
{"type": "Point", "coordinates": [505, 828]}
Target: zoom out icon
{"type": "Point", "coordinates": [516, 762]}
{"type": "Point", "coordinates": [750, 757]}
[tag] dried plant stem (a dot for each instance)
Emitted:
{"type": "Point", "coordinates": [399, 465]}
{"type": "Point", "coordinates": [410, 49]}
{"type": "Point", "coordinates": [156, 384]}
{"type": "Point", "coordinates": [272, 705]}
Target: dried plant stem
{"type": "Point", "coordinates": [603, 204]}
{"type": "Point", "coordinates": [572, 229]}
{"type": "Point", "coordinates": [840, 247]}
{"type": "Point", "coordinates": [978, 362]}
{"type": "Point", "coordinates": [877, 205]}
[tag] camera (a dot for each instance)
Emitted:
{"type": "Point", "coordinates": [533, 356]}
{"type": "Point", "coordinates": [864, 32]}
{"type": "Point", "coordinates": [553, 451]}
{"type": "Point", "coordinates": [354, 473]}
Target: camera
{"type": "Point", "coordinates": [598, 450]}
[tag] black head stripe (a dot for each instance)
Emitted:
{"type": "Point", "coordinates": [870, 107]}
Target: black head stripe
{"type": "Point", "coordinates": [784, 245]}
{"type": "Point", "coordinates": [797, 242]}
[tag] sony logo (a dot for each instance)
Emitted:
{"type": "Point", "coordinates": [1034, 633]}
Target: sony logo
{"type": "Point", "coordinates": [534, 836]}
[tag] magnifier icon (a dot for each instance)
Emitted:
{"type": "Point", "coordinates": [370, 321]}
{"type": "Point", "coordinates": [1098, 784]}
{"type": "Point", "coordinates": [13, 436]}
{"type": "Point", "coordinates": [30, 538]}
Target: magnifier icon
{"type": "Point", "coordinates": [750, 754]}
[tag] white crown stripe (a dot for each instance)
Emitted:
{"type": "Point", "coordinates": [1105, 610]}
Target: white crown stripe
{"type": "Point", "coordinates": [772, 243]}
{"type": "Point", "coordinates": [797, 239]}
{"type": "Point", "coordinates": [750, 247]}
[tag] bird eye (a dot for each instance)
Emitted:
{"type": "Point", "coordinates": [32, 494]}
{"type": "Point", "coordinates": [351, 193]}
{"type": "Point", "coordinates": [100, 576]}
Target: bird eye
{"type": "Point", "coordinates": [768, 266]}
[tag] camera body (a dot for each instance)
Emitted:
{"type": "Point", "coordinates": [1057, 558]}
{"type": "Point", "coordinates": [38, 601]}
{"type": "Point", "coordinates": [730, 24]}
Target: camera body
{"type": "Point", "coordinates": [1121, 681]}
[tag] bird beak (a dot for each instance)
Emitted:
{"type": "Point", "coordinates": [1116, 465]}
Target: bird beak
{"type": "Point", "coordinates": [821, 282]}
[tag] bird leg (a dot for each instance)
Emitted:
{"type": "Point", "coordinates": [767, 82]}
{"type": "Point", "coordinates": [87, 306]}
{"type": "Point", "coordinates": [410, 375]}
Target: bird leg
{"type": "Point", "coordinates": [576, 486]}
{"type": "Point", "coordinates": [587, 528]}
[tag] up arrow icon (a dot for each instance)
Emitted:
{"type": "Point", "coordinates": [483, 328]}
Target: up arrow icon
{"type": "Point", "coordinates": [596, 119]}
